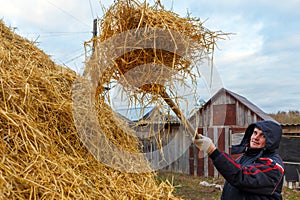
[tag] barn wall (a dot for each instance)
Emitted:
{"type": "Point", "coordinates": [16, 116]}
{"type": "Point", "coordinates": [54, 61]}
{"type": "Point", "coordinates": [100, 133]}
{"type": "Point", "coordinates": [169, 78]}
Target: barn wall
{"type": "Point", "coordinates": [231, 109]}
{"type": "Point", "coordinates": [245, 116]}
{"type": "Point", "coordinates": [182, 163]}
{"type": "Point", "coordinates": [289, 151]}
{"type": "Point", "coordinates": [293, 129]}
{"type": "Point", "coordinates": [175, 143]}
{"type": "Point", "coordinates": [201, 165]}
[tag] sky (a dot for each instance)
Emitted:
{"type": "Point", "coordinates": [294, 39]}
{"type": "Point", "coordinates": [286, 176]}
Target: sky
{"type": "Point", "coordinates": [260, 60]}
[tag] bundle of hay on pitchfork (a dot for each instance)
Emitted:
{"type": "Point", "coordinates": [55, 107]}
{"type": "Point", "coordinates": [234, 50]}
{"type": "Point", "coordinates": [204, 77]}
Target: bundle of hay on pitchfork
{"type": "Point", "coordinates": [147, 49]}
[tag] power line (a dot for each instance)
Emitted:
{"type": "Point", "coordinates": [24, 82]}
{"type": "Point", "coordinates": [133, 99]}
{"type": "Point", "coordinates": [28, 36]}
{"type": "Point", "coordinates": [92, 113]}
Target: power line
{"type": "Point", "coordinates": [75, 58]}
{"type": "Point", "coordinates": [72, 16]}
{"type": "Point", "coordinates": [91, 9]}
{"type": "Point", "coordinates": [59, 32]}
{"type": "Point", "coordinates": [70, 55]}
{"type": "Point", "coordinates": [78, 56]}
{"type": "Point", "coordinates": [56, 34]}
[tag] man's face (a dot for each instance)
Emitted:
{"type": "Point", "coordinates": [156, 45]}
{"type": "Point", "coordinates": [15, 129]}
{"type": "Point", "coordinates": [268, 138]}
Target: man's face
{"type": "Point", "coordinates": [258, 139]}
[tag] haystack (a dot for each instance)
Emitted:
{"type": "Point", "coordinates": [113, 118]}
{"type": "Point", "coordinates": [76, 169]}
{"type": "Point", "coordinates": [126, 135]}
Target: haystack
{"type": "Point", "coordinates": [41, 155]}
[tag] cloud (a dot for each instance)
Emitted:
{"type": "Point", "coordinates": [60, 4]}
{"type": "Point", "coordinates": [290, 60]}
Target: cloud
{"type": "Point", "coordinates": [242, 43]}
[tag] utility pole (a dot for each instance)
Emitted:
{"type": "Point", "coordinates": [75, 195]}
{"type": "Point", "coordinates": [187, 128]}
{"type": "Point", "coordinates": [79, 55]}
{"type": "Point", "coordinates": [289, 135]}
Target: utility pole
{"type": "Point", "coordinates": [95, 34]}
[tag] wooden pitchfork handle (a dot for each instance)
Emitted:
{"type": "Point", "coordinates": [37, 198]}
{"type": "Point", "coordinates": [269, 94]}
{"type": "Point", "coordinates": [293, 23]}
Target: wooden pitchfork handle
{"type": "Point", "coordinates": [179, 114]}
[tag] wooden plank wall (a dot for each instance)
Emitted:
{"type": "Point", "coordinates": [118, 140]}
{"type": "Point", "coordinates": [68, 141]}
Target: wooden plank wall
{"type": "Point", "coordinates": [200, 164]}
{"type": "Point", "coordinates": [175, 144]}
{"type": "Point", "coordinates": [291, 131]}
{"type": "Point", "coordinates": [244, 116]}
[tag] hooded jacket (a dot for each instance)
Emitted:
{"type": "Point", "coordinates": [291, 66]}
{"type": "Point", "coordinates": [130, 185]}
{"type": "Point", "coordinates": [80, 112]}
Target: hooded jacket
{"type": "Point", "coordinates": [258, 173]}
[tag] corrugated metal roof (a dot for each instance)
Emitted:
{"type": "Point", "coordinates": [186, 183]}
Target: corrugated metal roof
{"type": "Point", "coordinates": [285, 125]}
{"type": "Point", "coordinates": [147, 115]}
{"type": "Point", "coordinates": [135, 114]}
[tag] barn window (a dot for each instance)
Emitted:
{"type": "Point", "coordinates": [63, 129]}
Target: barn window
{"type": "Point", "coordinates": [224, 114]}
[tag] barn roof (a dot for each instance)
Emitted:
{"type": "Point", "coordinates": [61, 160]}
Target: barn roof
{"type": "Point", "coordinates": [242, 100]}
{"type": "Point", "coordinates": [135, 114]}
{"type": "Point", "coordinates": [290, 125]}
{"type": "Point", "coordinates": [148, 115]}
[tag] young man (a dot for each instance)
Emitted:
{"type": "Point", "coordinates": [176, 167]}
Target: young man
{"type": "Point", "coordinates": [258, 173]}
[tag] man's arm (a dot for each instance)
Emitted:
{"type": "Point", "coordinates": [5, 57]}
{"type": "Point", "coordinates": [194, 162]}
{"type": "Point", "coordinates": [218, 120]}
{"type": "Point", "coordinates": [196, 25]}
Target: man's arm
{"type": "Point", "coordinates": [262, 177]}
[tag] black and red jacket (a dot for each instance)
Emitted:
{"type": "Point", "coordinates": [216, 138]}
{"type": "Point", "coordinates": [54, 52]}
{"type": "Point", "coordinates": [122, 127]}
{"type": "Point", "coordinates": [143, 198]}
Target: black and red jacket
{"type": "Point", "coordinates": [258, 173]}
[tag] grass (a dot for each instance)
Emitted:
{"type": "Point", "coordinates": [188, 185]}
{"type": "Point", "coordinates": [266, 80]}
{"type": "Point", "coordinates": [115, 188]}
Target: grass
{"type": "Point", "coordinates": [188, 187]}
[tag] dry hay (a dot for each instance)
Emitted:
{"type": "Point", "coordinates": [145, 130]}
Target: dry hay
{"type": "Point", "coordinates": [168, 39]}
{"type": "Point", "coordinates": [41, 156]}
{"type": "Point", "coordinates": [149, 51]}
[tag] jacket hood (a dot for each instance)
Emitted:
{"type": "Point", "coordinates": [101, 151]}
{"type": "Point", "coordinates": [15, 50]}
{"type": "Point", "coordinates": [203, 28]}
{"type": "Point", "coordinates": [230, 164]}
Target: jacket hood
{"type": "Point", "coordinates": [270, 129]}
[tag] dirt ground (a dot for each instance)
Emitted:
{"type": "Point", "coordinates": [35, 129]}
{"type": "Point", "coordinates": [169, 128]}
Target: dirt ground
{"type": "Point", "coordinates": [189, 188]}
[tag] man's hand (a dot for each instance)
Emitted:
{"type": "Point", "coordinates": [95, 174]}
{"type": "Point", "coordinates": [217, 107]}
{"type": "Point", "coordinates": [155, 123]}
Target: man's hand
{"type": "Point", "coordinates": [204, 144]}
